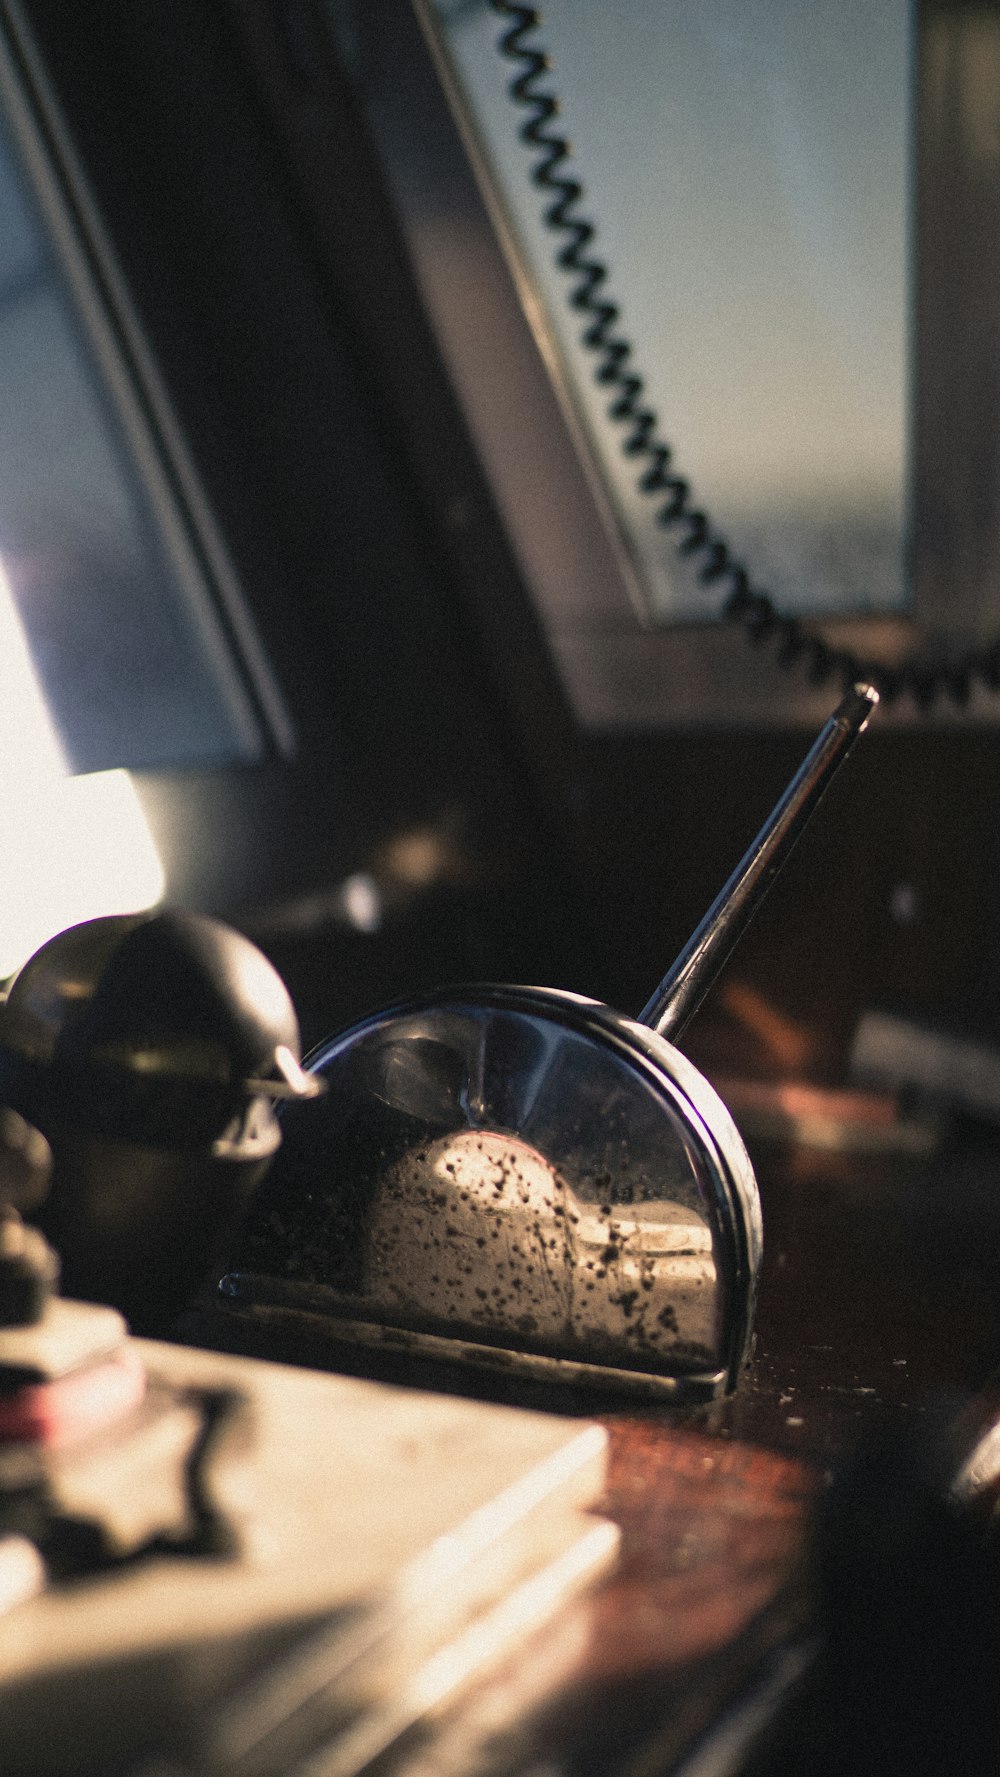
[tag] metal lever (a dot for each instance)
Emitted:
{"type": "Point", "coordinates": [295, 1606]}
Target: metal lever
{"type": "Point", "coordinates": [687, 981]}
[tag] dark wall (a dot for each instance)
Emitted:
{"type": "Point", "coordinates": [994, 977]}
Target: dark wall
{"type": "Point", "coordinates": [893, 894]}
{"type": "Point", "coordinates": [256, 313]}
{"type": "Point", "coordinates": [236, 178]}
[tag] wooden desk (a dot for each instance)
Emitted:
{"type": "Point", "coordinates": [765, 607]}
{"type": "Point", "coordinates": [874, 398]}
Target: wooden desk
{"type": "Point", "coordinates": [879, 1316]}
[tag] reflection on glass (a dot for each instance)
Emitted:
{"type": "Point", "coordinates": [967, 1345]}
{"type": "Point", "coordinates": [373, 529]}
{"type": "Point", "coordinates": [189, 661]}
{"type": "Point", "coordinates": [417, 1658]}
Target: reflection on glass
{"type": "Point", "coordinates": [746, 164]}
{"type": "Point", "coordinates": [73, 847]}
{"type": "Point", "coordinates": [126, 644]}
{"type": "Point", "coordinates": [478, 1229]}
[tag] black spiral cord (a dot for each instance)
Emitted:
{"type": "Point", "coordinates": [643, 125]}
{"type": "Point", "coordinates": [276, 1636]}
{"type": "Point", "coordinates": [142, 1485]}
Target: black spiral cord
{"type": "Point", "coordinates": [697, 538]}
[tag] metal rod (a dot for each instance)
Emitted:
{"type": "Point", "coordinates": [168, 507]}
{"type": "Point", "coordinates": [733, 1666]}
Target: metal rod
{"type": "Point", "coordinates": [685, 984]}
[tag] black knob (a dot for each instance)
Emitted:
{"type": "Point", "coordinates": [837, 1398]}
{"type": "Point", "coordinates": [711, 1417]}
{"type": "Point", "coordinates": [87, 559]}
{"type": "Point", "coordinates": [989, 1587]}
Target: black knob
{"type": "Point", "coordinates": [151, 1052]}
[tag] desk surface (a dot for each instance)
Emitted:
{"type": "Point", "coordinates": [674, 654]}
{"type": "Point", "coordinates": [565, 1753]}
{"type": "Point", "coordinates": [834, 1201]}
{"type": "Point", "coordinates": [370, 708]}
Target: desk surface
{"type": "Point", "coordinates": [878, 1326]}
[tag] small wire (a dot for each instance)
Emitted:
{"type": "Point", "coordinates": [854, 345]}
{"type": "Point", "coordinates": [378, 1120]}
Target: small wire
{"type": "Point", "coordinates": [790, 641]}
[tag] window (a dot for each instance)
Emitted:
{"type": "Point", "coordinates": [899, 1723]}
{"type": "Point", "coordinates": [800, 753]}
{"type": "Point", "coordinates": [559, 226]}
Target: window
{"type": "Point", "coordinates": [792, 201]}
{"type": "Point", "coordinates": [746, 165]}
{"type": "Point", "coordinates": [124, 642]}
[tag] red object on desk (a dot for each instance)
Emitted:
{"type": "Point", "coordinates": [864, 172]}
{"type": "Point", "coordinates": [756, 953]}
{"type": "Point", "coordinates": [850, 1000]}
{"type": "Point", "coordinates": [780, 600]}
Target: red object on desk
{"type": "Point", "coordinates": [73, 1406]}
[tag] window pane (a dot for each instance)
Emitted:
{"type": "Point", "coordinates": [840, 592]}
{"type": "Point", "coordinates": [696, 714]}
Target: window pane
{"type": "Point", "coordinates": [125, 641]}
{"type": "Point", "coordinates": [746, 163]}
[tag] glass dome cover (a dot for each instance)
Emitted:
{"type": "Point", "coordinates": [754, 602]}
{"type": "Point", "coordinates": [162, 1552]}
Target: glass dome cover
{"type": "Point", "coordinates": [526, 1169]}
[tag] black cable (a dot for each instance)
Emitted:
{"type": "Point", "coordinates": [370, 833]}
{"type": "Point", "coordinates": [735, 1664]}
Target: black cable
{"type": "Point", "coordinates": [614, 368]}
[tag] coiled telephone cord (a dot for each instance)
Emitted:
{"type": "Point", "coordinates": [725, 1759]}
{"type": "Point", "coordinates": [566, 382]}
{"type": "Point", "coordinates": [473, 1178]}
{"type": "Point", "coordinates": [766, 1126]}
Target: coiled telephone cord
{"type": "Point", "coordinates": [614, 367]}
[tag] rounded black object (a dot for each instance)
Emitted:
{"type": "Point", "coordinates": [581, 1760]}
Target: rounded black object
{"type": "Point", "coordinates": [150, 1051]}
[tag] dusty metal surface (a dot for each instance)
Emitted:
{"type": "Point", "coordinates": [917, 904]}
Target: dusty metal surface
{"type": "Point", "coordinates": [521, 1169]}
